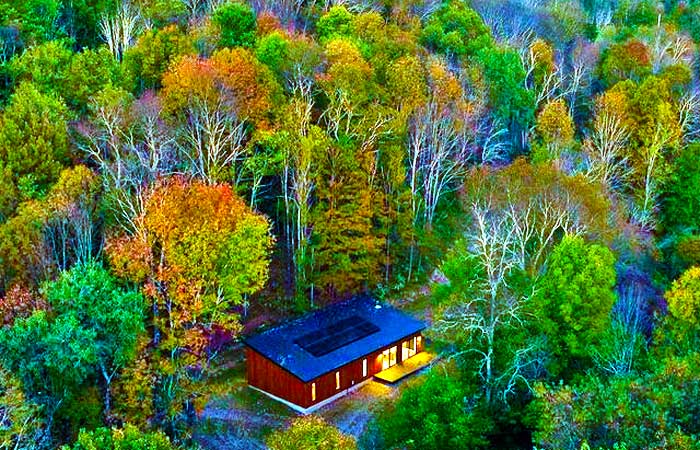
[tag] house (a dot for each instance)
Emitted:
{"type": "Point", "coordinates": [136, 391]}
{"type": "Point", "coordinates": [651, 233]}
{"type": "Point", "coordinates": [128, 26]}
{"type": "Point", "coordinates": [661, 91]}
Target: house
{"type": "Point", "coordinates": [313, 360]}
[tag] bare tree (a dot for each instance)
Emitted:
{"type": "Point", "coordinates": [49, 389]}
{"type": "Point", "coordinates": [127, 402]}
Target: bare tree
{"type": "Point", "coordinates": [437, 159]}
{"type": "Point", "coordinates": [297, 175]}
{"type": "Point", "coordinates": [668, 47]}
{"type": "Point", "coordinates": [70, 232]}
{"type": "Point", "coordinates": [119, 29]}
{"type": "Point", "coordinates": [288, 11]}
{"type": "Point", "coordinates": [213, 140]}
{"type": "Point", "coordinates": [617, 354]}
{"type": "Point", "coordinates": [604, 148]}
{"type": "Point", "coordinates": [131, 147]}
{"type": "Point", "coordinates": [494, 308]}
{"type": "Point", "coordinates": [689, 114]}
{"type": "Point", "coordinates": [652, 154]}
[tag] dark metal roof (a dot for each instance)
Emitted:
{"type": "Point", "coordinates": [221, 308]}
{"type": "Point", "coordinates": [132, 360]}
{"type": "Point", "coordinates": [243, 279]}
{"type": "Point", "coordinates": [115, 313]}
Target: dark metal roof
{"type": "Point", "coordinates": [334, 336]}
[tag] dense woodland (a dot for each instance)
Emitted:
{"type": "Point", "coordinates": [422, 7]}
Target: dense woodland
{"type": "Point", "coordinates": [176, 173]}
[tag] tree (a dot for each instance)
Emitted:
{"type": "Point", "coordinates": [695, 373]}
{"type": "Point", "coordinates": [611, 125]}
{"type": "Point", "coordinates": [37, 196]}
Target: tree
{"type": "Point", "coordinates": [38, 19]}
{"type": "Point", "coordinates": [684, 302]}
{"type": "Point", "coordinates": [310, 433]}
{"type": "Point", "coordinates": [605, 145]}
{"type": "Point", "coordinates": [457, 30]}
{"type": "Point", "coordinates": [625, 61]}
{"type": "Point", "coordinates": [434, 412]}
{"type": "Point", "coordinates": [19, 303]}
{"type": "Point", "coordinates": [153, 53]}
{"type": "Point", "coordinates": [554, 129]}
{"type": "Point", "coordinates": [132, 147]}
{"type": "Point", "coordinates": [346, 251]}
{"type": "Point", "coordinates": [89, 72]}
{"type": "Point", "coordinates": [119, 28]}
{"type": "Point", "coordinates": [22, 424]}
{"type": "Point", "coordinates": [237, 24]}
{"type": "Point", "coordinates": [127, 438]}
{"type": "Point", "coordinates": [655, 410]}
{"type": "Point", "coordinates": [655, 133]}
{"type": "Point", "coordinates": [438, 158]}
{"type": "Point", "coordinates": [199, 252]}
{"type": "Point", "coordinates": [34, 139]}
{"type": "Point", "coordinates": [53, 358]}
{"type": "Point", "coordinates": [114, 315]}
{"type": "Point", "coordinates": [44, 65]}
{"type": "Point", "coordinates": [513, 104]}
{"type": "Point", "coordinates": [90, 331]}
{"type": "Point", "coordinates": [681, 200]}
{"type": "Point", "coordinates": [574, 300]}
{"type": "Point", "coordinates": [233, 74]}
{"type": "Point", "coordinates": [482, 308]}
{"type": "Point", "coordinates": [517, 216]}
{"type": "Point", "coordinates": [337, 22]}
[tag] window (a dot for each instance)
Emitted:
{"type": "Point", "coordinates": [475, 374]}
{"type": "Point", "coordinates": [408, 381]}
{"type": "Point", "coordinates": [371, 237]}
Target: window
{"type": "Point", "coordinates": [364, 368]}
{"type": "Point", "coordinates": [337, 381]}
{"type": "Point", "coordinates": [388, 358]}
{"type": "Point", "coordinates": [313, 392]}
{"type": "Point", "coordinates": [408, 348]}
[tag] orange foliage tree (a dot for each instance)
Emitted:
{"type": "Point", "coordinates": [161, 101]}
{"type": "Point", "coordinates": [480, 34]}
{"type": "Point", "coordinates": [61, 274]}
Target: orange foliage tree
{"type": "Point", "coordinates": [200, 252]}
{"type": "Point", "coordinates": [234, 74]}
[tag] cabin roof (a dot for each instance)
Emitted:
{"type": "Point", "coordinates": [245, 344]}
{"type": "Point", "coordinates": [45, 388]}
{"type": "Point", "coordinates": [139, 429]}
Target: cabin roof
{"type": "Point", "coordinates": [329, 338]}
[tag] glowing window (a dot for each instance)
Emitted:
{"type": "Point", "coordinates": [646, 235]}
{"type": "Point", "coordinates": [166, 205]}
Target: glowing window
{"type": "Point", "coordinates": [364, 368]}
{"type": "Point", "coordinates": [313, 392]}
{"type": "Point", "coordinates": [337, 380]}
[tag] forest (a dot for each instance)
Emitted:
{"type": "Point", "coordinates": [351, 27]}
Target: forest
{"type": "Point", "coordinates": [526, 173]}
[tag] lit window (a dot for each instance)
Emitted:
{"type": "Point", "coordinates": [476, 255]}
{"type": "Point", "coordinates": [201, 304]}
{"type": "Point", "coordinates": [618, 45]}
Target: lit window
{"type": "Point", "coordinates": [364, 368]}
{"type": "Point", "coordinates": [385, 359]}
{"type": "Point", "coordinates": [313, 392]}
{"type": "Point", "coordinates": [337, 380]}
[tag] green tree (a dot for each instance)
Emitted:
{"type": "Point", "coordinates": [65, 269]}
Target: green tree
{"type": "Point", "coordinates": [88, 73]}
{"type": "Point", "coordinates": [504, 74]}
{"type": "Point", "coordinates": [127, 438]}
{"type": "Point", "coordinates": [90, 332]}
{"type": "Point", "coordinates": [34, 139]}
{"type": "Point", "coordinates": [337, 22]}
{"type": "Point", "coordinates": [53, 358]}
{"type": "Point", "coordinates": [346, 250]}
{"type": "Point", "coordinates": [36, 19]}
{"type": "Point", "coordinates": [150, 57]}
{"type": "Point", "coordinates": [656, 410]}
{"type": "Point", "coordinates": [434, 412]}
{"type": "Point", "coordinates": [574, 299]}
{"type": "Point", "coordinates": [44, 65]}
{"type": "Point", "coordinates": [237, 24]}
{"type": "Point", "coordinates": [681, 199]}
{"type": "Point", "coordinates": [116, 316]}
{"type": "Point", "coordinates": [457, 30]}
{"type": "Point", "coordinates": [310, 433]}
{"type": "Point", "coordinates": [684, 307]}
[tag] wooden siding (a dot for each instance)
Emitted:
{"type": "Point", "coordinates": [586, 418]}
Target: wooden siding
{"type": "Point", "coordinates": [270, 377]}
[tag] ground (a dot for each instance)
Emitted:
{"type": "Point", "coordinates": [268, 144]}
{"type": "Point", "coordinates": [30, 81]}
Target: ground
{"type": "Point", "coordinates": [241, 418]}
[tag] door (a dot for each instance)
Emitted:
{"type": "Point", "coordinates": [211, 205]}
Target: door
{"type": "Point", "coordinates": [389, 357]}
{"type": "Point", "coordinates": [408, 348]}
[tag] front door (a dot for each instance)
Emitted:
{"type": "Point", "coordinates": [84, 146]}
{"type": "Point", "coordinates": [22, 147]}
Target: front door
{"type": "Point", "coordinates": [408, 349]}
{"type": "Point", "coordinates": [389, 357]}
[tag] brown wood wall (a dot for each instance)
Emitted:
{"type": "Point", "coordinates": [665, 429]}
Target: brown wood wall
{"type": "Point", "coordinates": [270, 377]}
